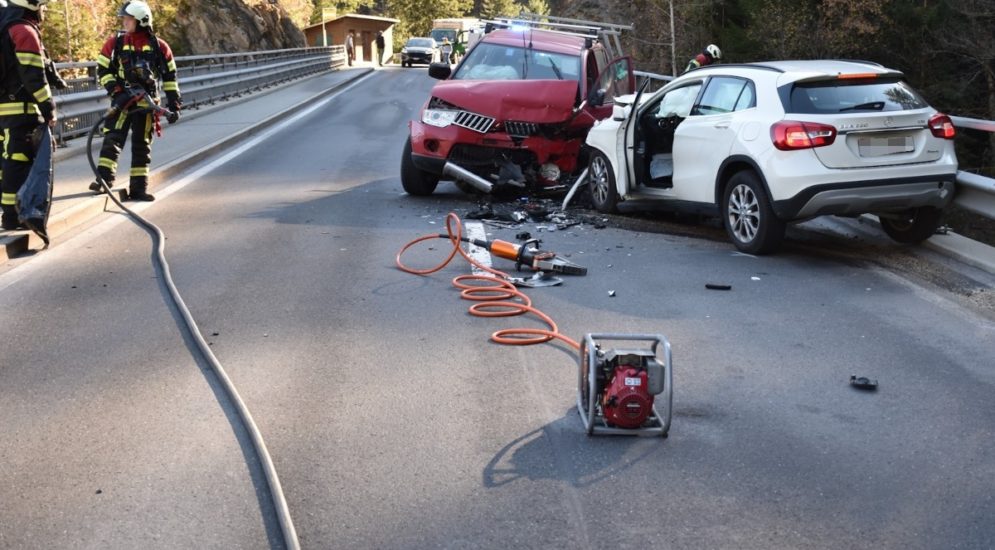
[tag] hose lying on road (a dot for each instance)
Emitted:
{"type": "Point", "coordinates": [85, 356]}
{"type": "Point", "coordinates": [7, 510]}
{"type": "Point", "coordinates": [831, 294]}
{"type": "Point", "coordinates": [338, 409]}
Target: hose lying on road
{"type": "Point", "coordinates": [495, 295]}
{"type": "Point", "coordinates": [159, 242]}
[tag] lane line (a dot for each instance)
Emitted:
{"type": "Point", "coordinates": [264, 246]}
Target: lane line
{"type": "Point", "coordinates": [475, 230]}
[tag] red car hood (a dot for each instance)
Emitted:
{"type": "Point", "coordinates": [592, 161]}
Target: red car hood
{"type": "Point", "coordinates": [541, 101]}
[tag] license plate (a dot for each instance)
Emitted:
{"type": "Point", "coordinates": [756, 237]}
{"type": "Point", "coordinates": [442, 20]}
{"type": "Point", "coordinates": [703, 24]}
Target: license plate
{"type": "Point", "coordinates": [884, 146]}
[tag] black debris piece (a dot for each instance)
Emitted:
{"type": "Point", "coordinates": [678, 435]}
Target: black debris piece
{"type": "Point", "coordinates": [523, 236]}
{"type": "Point", "coordinates": [863, 383]}
{"type": "Point", "coordinates": [716, 286]}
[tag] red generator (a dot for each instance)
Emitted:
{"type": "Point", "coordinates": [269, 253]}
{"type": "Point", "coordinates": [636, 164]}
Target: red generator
{"type": "Point", "coordinates": [619, 390]}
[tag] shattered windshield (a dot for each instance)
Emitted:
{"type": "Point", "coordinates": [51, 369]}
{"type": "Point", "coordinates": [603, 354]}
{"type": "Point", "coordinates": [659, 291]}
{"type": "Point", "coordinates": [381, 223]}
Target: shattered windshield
{"type": "Point", "coordinates": [499, 62]}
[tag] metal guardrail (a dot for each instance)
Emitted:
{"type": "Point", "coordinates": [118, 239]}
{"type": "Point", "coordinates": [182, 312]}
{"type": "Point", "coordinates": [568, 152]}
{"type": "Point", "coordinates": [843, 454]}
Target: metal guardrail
{"type": "Point", "coordinates": [975, 193]}
{"type": "Point", "coordinates": [204, 79]}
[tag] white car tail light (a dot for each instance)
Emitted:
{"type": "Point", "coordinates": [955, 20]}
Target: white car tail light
{"type": "Point", "coordinates": [942, 127]}
{"type": "Point", "coordinates": [789, 135]}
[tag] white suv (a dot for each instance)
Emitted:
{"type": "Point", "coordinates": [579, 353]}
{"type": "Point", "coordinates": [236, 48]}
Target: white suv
{"type": "Point", "coordinates": [763, 144]}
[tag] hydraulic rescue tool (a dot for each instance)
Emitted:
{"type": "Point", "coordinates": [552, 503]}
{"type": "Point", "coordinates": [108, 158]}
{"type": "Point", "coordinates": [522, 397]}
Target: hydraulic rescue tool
{"type": "Point", "coordinates": [528, 254]}
{"type": "Point", "coordinates": [617, 387]}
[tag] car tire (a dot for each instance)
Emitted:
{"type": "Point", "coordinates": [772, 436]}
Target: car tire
{"type": "Point", "coordinates": [414, 180]}
{"type": "Point", "coordinates": [914, 226]}
{"type": "Point", "coordinates": [601, 182]}
{"type": "Point", "coordinates": [748, 216]}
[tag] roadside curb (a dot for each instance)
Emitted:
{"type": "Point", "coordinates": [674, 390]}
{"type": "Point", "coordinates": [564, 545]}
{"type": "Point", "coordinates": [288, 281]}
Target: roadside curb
{"type": "Point", "coordinates": [967, 251]}
{"type": "Point", "coordinates": [59, 224]}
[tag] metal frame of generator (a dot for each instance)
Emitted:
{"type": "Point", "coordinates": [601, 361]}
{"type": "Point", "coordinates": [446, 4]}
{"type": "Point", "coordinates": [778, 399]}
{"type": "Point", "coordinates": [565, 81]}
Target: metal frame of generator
{"type": "Point", "coordinates": [598, 365]}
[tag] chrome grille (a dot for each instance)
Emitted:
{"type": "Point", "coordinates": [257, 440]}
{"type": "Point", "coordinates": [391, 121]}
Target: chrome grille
{"type": "Point", "coordinates": [475, 122]}
{"type": "Point", "coordinates": [521, 129]}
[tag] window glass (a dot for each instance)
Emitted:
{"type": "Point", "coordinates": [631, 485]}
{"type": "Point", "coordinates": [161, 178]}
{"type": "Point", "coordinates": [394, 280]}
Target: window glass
{"type": "Point", "coordinates": [421, 43]}
{"type": "Point", "coordinates": [677, 102]}
{"type": "Point", "coordinates": [721, 95]}
{"type": "Point", "coordinates": [836, 96]}
{"type": "Point", "coordinates": [747, 99]}
{"type": "Point", "coordinates": [499, 62]}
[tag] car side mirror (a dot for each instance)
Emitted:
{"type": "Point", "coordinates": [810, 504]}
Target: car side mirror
{"type": "Point", "coordinates": [440, 71]}
{"type": "Point", "coordinates": [597, 97]}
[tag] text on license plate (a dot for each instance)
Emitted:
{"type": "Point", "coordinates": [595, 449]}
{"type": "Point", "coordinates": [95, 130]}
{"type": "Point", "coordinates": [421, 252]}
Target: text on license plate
{"type": "Point", "coordinates": [882, 146]}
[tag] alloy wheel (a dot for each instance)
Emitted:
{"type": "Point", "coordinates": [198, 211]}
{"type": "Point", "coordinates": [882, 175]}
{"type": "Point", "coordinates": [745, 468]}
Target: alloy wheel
{"type": "Point", "coordinates": [744, 213]}
{"type": "Point", "coordinates": [599, 174]}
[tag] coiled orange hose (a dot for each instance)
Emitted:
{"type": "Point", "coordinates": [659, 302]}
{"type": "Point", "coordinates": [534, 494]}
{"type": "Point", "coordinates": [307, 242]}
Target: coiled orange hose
{"type": "Point", "coordinates": [495, 296]}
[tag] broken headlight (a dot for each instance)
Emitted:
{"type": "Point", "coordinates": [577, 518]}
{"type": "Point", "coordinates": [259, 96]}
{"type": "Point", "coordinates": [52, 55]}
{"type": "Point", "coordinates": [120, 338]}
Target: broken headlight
{"type": "Point", "coordinates": [439, 118]}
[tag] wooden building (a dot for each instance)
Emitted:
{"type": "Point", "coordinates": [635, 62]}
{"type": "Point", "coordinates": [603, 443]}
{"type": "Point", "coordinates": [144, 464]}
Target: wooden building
{"type": "Point", "coordinates": [332, 32]}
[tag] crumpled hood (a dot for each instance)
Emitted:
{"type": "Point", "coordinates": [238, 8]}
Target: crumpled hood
{"type": "Point", "coordinates": [541, 101]}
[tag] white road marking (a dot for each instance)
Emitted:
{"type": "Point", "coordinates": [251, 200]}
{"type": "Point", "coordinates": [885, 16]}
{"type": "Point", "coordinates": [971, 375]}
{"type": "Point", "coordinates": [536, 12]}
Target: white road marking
{"type": "Point", "coordinates": [475, 230]}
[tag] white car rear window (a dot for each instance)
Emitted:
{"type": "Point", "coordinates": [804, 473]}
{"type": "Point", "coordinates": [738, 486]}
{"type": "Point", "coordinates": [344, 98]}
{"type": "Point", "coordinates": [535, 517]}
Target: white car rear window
{"type": "Point", "coordinates": [836, 96]}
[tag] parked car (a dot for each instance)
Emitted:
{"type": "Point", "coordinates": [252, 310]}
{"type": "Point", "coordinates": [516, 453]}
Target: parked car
{"type": "Point", "coordinates": [765, 144]}
{"type": "Point", "coordinates": [513, 113]}
{"type": "Point", "coordinates": [419, 50]}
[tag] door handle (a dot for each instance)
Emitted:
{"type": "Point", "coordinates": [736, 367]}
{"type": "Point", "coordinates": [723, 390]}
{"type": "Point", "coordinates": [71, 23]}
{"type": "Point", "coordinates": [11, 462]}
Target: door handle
{"type": "Point", "coordinates": [722, 125]}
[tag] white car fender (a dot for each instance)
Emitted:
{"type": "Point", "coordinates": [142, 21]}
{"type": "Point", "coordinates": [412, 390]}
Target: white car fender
{"type": "Point", "coordinates": [605, 136]}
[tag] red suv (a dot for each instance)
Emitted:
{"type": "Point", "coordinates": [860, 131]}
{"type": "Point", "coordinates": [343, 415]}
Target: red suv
{"type": "Point", "coordinates": [514, 112]}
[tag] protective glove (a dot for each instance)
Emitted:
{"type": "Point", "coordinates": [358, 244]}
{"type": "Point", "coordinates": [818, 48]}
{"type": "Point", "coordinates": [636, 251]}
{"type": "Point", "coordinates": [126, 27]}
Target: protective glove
{"type": "Point", "coordinates": [174, 106]}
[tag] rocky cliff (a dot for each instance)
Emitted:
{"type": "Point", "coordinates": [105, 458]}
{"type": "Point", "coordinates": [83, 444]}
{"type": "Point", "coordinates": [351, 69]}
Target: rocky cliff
{"type": "Point", "coordinates": [223, 26]}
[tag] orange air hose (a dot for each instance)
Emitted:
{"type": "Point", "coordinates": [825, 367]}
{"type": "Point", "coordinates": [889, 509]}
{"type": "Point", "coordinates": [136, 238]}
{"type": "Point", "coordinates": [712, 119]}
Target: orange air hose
{"type": "Point", "coordinates": [495, 296]}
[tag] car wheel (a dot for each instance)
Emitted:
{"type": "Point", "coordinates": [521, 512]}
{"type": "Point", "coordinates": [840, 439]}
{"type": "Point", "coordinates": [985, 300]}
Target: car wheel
{"type": "Point", "coordinates": [914, 226]}
{"type": "Point", "coordinates": [414, 180]}
{"type": "Point", "coordinates": [748, 216]}
{"type": "Point", "coordinates": [601, 181]}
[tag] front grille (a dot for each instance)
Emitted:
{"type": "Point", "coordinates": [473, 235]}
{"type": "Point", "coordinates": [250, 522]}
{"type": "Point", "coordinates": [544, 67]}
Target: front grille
{"type": "Point", "coordinates": [473, 121]}
{"type": "Point", "coordinates": [476, 155]}
{"type": "Point", "coordinates": [521, 129]}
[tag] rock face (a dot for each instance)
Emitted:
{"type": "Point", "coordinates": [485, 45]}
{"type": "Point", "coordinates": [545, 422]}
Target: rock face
{"type": "Point", "coordinates": [225, 26]}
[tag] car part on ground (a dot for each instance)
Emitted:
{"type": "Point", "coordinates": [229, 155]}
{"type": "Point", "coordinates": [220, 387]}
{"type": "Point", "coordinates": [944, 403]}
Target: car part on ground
{"type": "Point", "coordinates": [761, 145]}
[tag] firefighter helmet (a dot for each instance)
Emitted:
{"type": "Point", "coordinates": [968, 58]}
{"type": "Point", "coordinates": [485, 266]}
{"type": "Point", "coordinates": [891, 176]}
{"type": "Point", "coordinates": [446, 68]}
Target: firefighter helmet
{"type": "Point", "coordinates": [32, 5]}
{"type": "Point", "coordinates": [139, 10]}
{"type": "Point", "coordinates": [713, 51]}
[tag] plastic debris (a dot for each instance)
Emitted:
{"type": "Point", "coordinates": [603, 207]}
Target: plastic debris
{"type": "Point", "coordinates": [611, 293]}
{"type": "Point", "coordinates": [863, 383]}
{"type": "Point", "coordinates": [716, 286]}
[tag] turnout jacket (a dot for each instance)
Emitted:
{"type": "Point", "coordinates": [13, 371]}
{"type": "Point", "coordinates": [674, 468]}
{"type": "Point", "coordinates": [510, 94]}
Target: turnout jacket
{"type": "Point", "coordinates": [133, 59]}
{"type": "Point", "coordinates": [26, 93]}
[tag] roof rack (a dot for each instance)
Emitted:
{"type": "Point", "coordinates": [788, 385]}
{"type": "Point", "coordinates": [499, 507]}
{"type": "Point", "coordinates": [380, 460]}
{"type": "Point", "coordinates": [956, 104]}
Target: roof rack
{"type": "Point", "coordinates": [607, 33]}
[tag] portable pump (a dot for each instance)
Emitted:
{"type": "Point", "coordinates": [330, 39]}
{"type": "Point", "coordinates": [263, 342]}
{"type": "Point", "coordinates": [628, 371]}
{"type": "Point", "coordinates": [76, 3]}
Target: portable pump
{"type": "Point", "coordinates": [617, 387]}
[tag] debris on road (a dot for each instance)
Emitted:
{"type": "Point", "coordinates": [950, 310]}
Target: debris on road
{"type": "Point", "coordinates": [863, 383]}
{"type": "Point", "coordinates": [716, 286]}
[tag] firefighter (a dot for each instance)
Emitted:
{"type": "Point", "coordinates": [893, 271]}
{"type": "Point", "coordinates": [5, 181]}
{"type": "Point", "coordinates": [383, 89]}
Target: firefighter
{"type": "Point", "coordinates": [129, 66]}
{"type": "Point", "coordinates": [27, 103]}
{"type": "Point", "coordinates": [709, 55]}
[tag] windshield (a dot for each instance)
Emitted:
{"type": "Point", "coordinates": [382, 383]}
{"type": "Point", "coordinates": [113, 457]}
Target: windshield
{"type": "Point", "coordinates": [439, 34]}
{"type": "Point", "coordinates": [420, 43]}
{"type": "Point", "coordinates": [499, 62]}
{"type": "Point", "coordinates": [862, 95]}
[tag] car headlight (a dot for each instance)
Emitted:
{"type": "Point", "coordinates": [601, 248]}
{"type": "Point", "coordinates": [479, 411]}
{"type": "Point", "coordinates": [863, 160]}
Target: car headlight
{"type": "Point", "coordinates": [404, 50]}
{"type": "Point", "coordinates": [436, 117]}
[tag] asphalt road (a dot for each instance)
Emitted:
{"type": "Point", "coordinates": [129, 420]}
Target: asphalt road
{"type": "Point", "coordinates": [395, 423]}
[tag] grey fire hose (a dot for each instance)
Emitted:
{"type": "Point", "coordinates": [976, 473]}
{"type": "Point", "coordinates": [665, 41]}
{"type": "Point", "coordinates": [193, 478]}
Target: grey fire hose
{"type": "Point", "coordinates": [158, 239]}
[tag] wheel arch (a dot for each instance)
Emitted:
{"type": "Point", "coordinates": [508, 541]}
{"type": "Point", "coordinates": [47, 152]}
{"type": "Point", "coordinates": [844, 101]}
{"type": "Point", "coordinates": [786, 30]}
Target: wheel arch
{"type": "Point", "coordinates": [621, 178]}
{"type": "Point", "coordinates": [730, 167]}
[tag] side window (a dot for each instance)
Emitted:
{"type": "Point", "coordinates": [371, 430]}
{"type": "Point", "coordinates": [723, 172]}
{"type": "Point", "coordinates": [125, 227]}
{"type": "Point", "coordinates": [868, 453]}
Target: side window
{"type": "Point", "coordinates": [747, 99]}
{"type": "Point", "coordinates": [616, 79]}
{"type": "Point", "coordinates": [722, 95]}
{"type": "Point", "coordinates": [677, 102]}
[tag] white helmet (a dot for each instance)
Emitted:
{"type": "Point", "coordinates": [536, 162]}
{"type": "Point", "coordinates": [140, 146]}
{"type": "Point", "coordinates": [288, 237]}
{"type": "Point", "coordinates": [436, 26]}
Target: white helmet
{"type": "Point", "coordinates": [139, 10]}
{"type": "Point", "coordinates": [713, 51]}
{"type": "Point", "coordinates": [32, 5]}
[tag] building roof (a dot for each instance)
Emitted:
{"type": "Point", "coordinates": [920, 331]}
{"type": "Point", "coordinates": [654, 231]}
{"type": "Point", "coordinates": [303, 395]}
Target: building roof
{"type": "Point", "coordinates": [354, 16]}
